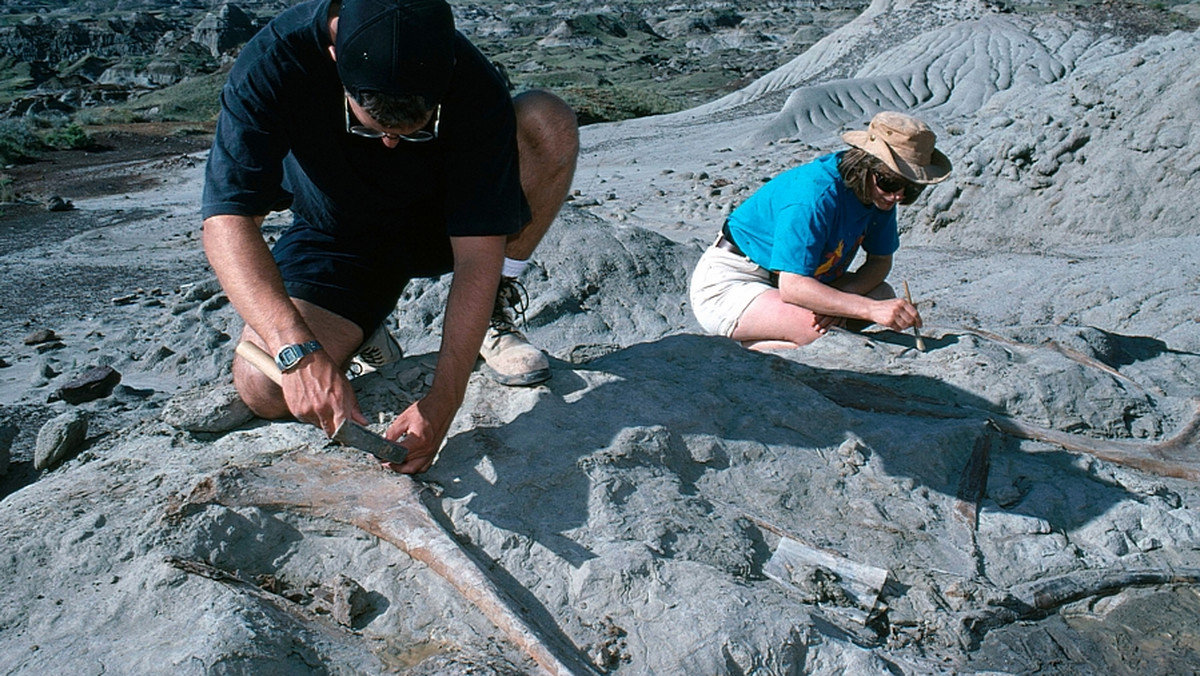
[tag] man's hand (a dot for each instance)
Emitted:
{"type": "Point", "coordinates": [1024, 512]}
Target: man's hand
{"type": "Point", "coordinates": [423, 426]}
{"type": "Point", "coordinates": [477, 262]}
{"type": "Point", "coordinates": [317, 392]}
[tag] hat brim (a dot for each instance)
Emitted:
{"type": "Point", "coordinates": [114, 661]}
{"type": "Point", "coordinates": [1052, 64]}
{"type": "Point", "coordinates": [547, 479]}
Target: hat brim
{"type": "Point", "coordinates": [936, 171]}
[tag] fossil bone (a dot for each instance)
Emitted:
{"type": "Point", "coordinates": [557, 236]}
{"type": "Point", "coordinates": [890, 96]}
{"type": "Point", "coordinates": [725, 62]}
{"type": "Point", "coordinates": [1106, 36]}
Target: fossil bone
{"type": "Point", "coordinates": [388, 506]}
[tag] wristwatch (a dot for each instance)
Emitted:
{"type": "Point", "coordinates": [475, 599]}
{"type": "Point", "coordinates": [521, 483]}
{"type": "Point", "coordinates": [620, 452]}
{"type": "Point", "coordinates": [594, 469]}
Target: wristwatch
{"type": "Point", "coordinates": [290, 355]}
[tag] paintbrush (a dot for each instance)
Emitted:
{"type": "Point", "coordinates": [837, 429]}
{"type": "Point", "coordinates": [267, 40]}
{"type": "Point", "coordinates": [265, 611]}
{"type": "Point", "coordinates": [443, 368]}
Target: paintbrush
{"type": "Point", "coordinates": [916, 331]}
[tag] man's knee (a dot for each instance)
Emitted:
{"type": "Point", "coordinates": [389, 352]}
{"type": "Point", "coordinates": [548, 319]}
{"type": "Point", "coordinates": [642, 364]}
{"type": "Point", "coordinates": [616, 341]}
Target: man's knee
{"type": "Point", "coordinates": [546, 124]}
{"type": "Point", "coordinates": [260, 394]}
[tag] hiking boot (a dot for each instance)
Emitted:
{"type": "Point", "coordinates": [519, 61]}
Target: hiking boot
{"type": "Point", "coordinates": [380, 349]}
{"type": "Point", "coordinates": [510, 359]}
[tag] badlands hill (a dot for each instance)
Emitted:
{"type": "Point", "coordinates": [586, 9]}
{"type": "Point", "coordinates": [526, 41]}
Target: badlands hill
{"type": "Point", "coordinates": [163, 60]}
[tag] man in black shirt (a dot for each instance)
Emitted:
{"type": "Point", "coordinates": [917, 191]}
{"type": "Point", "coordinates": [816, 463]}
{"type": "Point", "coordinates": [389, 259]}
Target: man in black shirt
{"type": "Point", "coordinates": [401, 154]}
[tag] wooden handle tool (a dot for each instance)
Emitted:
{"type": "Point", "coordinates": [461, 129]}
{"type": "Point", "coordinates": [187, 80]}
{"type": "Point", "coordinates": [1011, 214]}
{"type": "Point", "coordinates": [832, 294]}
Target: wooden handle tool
{"type": "Point", "coordinates": [916, 331]}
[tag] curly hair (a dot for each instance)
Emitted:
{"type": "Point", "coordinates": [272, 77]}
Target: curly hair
{"type": "Point", "coordinates": [857, 167]}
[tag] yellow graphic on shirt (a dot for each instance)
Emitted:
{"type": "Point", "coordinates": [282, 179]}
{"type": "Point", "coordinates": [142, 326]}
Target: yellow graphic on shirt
{"type": "Point", "coordinates": [831, 260]}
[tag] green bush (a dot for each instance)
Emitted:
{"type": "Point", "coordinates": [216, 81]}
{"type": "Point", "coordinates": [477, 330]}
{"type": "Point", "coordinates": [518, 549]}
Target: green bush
{"type": "Point", "coordinates": [18, 142]}
{"type": "Point", "coordinates": [194, 99]}
{"type": "Point", "coordinates": [67, 137]}
{"type": "Point", "coordinates": [101, 115]}
{"type": "Point", "coordinates": [610, 103]}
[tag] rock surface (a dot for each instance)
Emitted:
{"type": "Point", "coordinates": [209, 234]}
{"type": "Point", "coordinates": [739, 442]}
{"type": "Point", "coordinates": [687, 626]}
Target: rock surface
{"type": "Point", "coordinates": [631, 505]}
{"type": "Point", "coordinates": [207, 410]}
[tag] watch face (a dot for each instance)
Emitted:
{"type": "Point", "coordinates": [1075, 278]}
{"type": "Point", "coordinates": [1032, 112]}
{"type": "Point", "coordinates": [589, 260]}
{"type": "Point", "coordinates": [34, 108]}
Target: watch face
{"type": "Point", "coordinates": [289, 356]}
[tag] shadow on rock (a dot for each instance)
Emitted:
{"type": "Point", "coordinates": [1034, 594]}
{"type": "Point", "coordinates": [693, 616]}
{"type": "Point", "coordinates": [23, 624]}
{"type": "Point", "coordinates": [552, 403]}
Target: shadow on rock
{"type": "Point", "coordinates": [647, 442]}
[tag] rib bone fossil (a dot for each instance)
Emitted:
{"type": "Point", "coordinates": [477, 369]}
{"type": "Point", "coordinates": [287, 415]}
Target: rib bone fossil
{"type": "Point", "coordinates": [388, 506]}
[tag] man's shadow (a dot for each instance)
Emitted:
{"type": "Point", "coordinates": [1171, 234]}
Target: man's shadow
{"type": "Point", "coordinates": [531, 475]}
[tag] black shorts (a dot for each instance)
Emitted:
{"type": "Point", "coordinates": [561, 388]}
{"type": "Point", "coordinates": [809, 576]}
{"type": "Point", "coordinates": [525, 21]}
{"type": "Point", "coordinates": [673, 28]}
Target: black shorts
{"type": "Point", "coordinates": [359, 275]}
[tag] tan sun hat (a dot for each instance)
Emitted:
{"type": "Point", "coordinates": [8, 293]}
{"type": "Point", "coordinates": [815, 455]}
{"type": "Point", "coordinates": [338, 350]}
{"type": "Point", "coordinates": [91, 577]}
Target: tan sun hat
{"type": "Point", "coordinates": [905, 144]}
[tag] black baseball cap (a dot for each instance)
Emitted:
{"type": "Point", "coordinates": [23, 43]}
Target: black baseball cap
{"type": "Point", "coordinates": [398, 47]}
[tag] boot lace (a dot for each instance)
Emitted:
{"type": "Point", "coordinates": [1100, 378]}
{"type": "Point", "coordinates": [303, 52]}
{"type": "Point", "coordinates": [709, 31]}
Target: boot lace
{"type": "Point", "coordinates": [372, 355]}
{"type": "Point", "coordinates": [511, 302]}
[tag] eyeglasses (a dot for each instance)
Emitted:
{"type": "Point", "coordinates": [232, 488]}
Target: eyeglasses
{"type": "Point", "coordinates": [889, 184]}
{"type": "Point", "coordinates": [893, 184]}
{"type": "Point", "coordinates": [419, 136]}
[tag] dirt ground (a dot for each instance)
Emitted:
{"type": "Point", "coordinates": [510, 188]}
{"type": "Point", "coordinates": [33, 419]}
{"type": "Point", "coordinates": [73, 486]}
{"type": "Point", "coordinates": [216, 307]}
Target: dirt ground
{"type": "Point", "coordinates": [124, 159]}
{"type": "Point", "coordinates": [45, 289]}
{"type": "Point", "coordinates": [105, 167]}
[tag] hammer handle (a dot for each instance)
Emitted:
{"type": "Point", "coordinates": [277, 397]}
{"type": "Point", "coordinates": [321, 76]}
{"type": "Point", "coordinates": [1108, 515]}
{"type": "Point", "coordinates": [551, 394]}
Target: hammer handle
{"type": "Point", "coordinates": [260, 360]}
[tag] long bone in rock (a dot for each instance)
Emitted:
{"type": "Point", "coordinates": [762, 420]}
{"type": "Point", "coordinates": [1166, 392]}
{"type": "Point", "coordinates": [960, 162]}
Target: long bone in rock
{"type": "Point", "coordinates": [1177, 456]}
{"type": "Point", "coordinates": [388, 506]}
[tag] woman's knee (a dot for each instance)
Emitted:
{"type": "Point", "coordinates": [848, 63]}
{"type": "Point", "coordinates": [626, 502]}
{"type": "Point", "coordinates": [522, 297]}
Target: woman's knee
{"type": "Point", "coordinates": [882, 292]}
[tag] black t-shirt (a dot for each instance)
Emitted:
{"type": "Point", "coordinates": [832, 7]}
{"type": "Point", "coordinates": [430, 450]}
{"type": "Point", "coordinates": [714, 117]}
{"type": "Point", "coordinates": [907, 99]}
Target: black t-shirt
{"type": "Point", "coordinates": [281, 141]}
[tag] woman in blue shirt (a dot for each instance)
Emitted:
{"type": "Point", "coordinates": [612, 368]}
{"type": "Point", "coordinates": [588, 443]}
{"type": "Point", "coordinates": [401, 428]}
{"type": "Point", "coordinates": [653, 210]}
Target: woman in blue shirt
{"type": "Point", "coordinates": [778, 276]}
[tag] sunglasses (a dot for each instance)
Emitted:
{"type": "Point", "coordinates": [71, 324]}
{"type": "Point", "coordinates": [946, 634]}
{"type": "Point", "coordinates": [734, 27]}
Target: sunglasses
{"type": "Point", "coordinates": [893, 184]}
{"type": "Point", "coordinates": [419, 136]}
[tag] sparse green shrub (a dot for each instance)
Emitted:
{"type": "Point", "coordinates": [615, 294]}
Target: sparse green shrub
{"type": "Point", "coordinates": [611, 103]}
{"type": "Point", "coordinates": [70, 136]}
{"type": "Point", "coordinates": [103, 115]}
{"type": "Point", "coordinates": [194, 99]}
{"type": "Point", "coordinates": [18, 142]}
{"type": "Point", "coordinates": [189, 130]}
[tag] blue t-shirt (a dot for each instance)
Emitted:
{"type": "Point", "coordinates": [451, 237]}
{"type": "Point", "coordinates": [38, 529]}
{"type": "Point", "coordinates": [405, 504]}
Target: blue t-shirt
{"type": "Point", "coordinates": [281, 142]}
{"type": "Point", "coordinates": [808, 222]}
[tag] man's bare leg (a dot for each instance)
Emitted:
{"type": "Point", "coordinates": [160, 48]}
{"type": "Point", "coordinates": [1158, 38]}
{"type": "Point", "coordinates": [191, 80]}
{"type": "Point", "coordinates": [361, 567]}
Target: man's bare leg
{"type": "Point", "coordinates": [339, 338]}
{"type": "Point", "coordinates": [548, 147]}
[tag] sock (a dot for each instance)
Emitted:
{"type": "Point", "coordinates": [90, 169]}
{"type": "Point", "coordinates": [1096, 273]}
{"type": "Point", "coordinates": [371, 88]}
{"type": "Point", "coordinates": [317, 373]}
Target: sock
{"type": "Point", "coordinates": [513, 268]}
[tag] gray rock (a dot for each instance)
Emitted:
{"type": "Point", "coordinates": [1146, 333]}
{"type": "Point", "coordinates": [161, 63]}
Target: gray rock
{"type": "Point", "coordinates": [95, 383]}
{"type": "Point", "coordinates": [41, 336]}
{"type": "Point", "coordinates": [229, 27]}
{"type": "Point", "coordinates": [200, 291]}
{"type": "Point", "coordinates": [58, 203]}
{"type": "Point", "coordinates": [43, 348]}
{"type": "Point", "coordinates": [59, 439]}
{"type": "Point", "coordinates": [343, 599]}
{"type": "Point", "coordinates": [211, 410]}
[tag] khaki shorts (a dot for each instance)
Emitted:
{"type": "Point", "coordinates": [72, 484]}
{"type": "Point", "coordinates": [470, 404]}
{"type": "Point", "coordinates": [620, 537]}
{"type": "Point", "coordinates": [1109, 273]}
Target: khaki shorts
{"type": "Point", "coordinates": [723, 286]}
